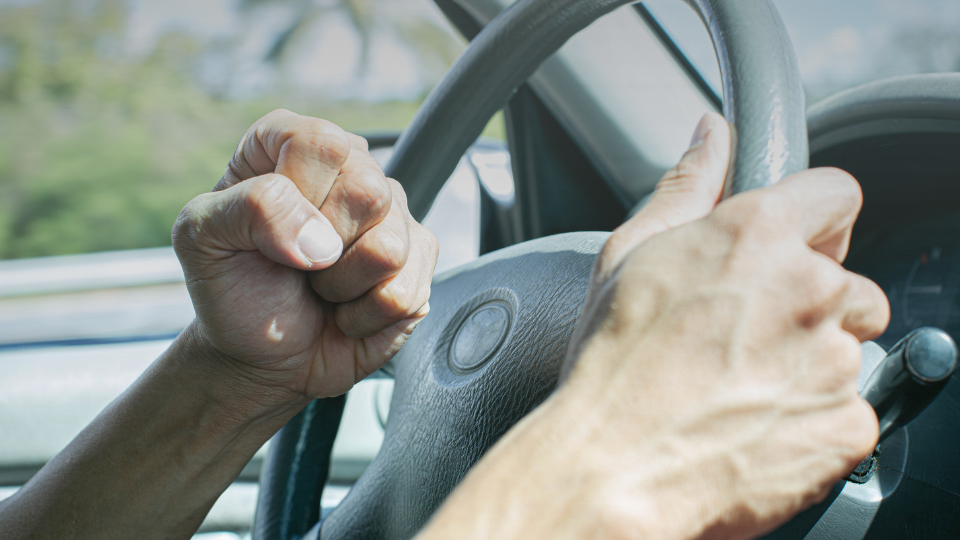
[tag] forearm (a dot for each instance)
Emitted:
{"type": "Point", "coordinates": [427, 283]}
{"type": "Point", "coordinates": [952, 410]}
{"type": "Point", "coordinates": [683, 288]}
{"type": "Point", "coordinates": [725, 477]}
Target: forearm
{"type": "Point", "coordinates": [153, 462]}
{"type": "Point", "coordinates": [550, 479]}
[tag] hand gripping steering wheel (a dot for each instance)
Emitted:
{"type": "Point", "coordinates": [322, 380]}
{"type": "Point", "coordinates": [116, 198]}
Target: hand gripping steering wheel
{"type": "Point", "coordinates": [492, 347]}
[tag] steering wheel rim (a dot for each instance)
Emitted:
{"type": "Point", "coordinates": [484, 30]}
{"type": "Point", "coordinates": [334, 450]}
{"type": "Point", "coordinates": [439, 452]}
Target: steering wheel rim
{"type": "Point", "coordinates": [515, 289]}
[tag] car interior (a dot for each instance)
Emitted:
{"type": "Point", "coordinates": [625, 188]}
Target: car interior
{"type": "Point", "coordinates": [598, 101]}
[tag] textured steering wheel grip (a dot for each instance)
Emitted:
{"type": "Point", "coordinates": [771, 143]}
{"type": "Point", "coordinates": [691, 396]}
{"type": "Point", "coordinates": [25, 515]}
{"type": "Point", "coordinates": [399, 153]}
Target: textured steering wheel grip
{"type": "Point", "coordinates": [443, 417]}
{"type": "Point", "coordinates": [763, 94]}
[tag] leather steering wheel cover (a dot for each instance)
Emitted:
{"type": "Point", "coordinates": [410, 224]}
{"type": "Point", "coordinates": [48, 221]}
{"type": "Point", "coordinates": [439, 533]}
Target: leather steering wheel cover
{"type": "Point", "coordinates": [764, 100]}
{"type": "Point", "coordinates": [415, 468]}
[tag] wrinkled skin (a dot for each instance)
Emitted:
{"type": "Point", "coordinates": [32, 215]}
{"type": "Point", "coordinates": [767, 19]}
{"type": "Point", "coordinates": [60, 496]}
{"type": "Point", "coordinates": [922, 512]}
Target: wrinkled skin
{"type": "Point", "coordinates": [710, 390]}
{"type": "Point", "coordinates": [294, 323]}
{"type": "Point", "coordinates": [307, 273]}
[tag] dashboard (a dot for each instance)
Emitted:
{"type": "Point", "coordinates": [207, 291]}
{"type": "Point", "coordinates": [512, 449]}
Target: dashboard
{"type": "Point", "coordinates": [907, 238]}
{"type": "Point", "coordinates": [918, 268]}
{"type": "Point", "coordinates": [900, 138]}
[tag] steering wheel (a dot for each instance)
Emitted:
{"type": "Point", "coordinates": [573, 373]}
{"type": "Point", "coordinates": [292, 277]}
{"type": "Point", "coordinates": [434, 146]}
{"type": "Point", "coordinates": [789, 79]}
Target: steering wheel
{"type": "Point", "coordinates": [492, 347]}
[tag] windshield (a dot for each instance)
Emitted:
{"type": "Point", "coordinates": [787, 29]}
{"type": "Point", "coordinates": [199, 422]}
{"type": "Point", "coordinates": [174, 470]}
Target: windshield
{"type": "Point", "coordinates": [839, 44]}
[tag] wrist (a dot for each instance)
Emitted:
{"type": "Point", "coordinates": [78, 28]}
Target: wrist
{"type": "Point", "coordinates": [235, 393]}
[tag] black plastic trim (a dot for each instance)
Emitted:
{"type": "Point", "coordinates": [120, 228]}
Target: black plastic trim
{"type": "Point", "coordinates": [81, 342]}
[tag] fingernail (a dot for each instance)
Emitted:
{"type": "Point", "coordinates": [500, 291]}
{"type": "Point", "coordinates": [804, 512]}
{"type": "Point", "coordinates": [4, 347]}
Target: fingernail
{"type": "Point", "coordinates": [703, 129]}
{"type": "Point", "coordinates": [319, 243]}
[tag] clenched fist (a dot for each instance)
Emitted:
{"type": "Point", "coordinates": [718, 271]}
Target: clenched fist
{"type": "Point", "coordinates": [305, 267]}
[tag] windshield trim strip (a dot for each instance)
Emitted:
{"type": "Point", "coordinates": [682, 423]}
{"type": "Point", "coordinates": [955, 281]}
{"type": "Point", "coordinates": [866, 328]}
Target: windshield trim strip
{"type": "Point", "coordinates": [678, 55]}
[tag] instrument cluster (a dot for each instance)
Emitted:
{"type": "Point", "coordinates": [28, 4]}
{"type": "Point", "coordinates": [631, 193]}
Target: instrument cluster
{"type": "Point", "coordinates": [918, 267]}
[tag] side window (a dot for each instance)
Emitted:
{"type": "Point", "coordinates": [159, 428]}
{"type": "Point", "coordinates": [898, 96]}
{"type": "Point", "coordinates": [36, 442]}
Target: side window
{"type": "Point", "coordinates": [113, 115]}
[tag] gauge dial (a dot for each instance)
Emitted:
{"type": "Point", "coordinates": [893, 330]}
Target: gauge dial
{"type": "Point", "coordinates": [918, 267]}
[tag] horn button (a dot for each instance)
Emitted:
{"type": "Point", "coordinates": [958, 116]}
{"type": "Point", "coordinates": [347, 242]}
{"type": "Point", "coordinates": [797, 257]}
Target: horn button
{"type": "Point", "coordinates": [479, 337]}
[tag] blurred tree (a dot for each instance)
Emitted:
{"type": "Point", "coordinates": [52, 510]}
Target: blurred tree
{"type": "Point", "coordinates": [433, 43]}
{"type": "Point", "coordinates": [100, 147]}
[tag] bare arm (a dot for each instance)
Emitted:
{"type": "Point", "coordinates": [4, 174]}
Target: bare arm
{"type": "Point", "coordinates": [156, 459]}
{"type": "Point", "coordinates": [307, 273]}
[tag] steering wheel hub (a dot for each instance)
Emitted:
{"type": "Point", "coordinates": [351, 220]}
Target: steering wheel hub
{"type": "Point", "coordinates": [479, 337]}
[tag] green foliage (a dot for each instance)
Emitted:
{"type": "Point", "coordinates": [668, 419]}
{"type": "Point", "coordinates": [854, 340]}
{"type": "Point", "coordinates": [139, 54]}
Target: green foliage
{"type": "Point", "coordinates": [100, 150]}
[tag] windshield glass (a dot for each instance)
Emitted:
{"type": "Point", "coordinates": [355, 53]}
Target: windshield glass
{"type": "Point", "coordinates": [839, 44]}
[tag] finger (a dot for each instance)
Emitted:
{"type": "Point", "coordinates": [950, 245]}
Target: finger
{"type": "Point", "coordinates": [686, 193]}
{"type": "Point", "coordinates": [266, 214]}
{"type": "Point", "coordinates": [865, 433]}
{"type": "Point", "coordinates": [379, 254]}
{"type": "Point", "coordinates": [309, 151]}
{"type": "Point", "coordinates": [866, 310]}
{"type": "Point", "coordinates": [361, 197]}
{"type": "Point", "coordinates": [820, 204]}
{"type": "Point", "coordinates": [397, 298]}
{"type": "Point", "coordinates": [379, 349]}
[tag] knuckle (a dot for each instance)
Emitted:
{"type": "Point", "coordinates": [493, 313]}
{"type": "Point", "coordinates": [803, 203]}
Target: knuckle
{"type": "Point", "coordinates": [427, 244]}
{"type": "Point", "coordinates": [189, 223]}
{"type": "Point", "coordinates": [824, 281]}
{"type": "Point", "coordinates": [399, 300]}
{"type": "Point", "coordinates": [762, 210]}
{"type": "Point", "coordinates": [430, 239]}
{"type": "Point", "coordinates": [261, 125]}
{"type": "Point", "coordinates": [269, 196]}
{"type": "Point", "coordinates": [612, 251]}
{"type": "Point", "coordinates": [398, 193]}
{"type": "Point", "coordinates": [279, 112]}
{"type": "Point", "coordinates": [821, 289]}
{"type": "Point", "coordinates": [750, 215]}
{"type": "Point", "coordinates": [359, 142]}
{"type": "Point", "coordinates": [321, 141]}
{"type": "Point", "coordinates": [384, 250]}
{"type": "Point", "coordinates": [369, 194]}
{"type": "Point", "coordinates": [307, 136]}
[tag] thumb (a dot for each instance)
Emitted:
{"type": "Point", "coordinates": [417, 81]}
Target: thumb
{"type": "Point", "coordinates": [686, 193]}
{"type": "Point", "coordinates": [266, 214]}
{"type": "Point", "coordinates": [690, 190]}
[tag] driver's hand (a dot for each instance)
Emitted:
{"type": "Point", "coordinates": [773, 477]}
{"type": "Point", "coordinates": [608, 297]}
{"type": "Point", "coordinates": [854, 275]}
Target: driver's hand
{"type": "Point", "coordinates": [722, 358]}
{"type": "Point", "coordinates": [305, 267]}
{"type": "Point", "coordinates": [712, 391]}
